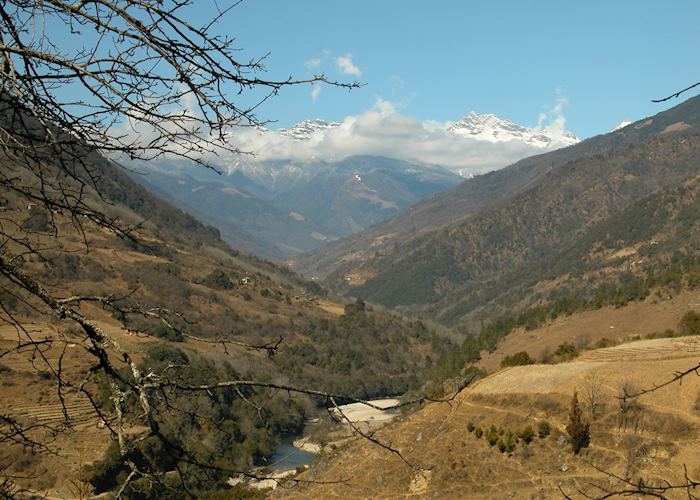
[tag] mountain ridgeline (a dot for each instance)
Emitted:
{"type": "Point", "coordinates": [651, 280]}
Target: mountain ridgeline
{"type": "Point", "coordinates": [438, 256]}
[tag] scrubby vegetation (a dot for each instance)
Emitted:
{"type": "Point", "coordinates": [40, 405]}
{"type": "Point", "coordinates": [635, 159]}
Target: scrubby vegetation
{"type": "Point", "coordinates": [225, 435]}
{"type": "Point", "coordinates": [517, 359]}
{"type": "Point", "coordinates": [670, 274]}
{"type": "Point", "coordinates": [339, 352]}
{"type": "Point", "coordinates": [544, 231]}
{"type": "Point", "coordinates": [508, 439]}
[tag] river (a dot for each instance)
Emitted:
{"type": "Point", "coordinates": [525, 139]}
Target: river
{"type": "Point", "coordinates": [288, 457]}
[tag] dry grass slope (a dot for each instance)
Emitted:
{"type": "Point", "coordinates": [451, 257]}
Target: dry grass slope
{"type": "Point", "coordinates": [653, 438]}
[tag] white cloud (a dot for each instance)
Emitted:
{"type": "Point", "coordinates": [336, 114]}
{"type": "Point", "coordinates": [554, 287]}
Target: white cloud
{"type": "Point", "coordinates": [346, 66]}
{"type": "Point", "coordinates": [381, 130]}
{"type": "Point", "coordinates": [315, 92]}
{"type": "Point", "coordinates": [553, 123]}
{"type": "Point", "coordinates": [384, 131]}
{"type": "Point", "coordinates": [313, 63]}
{"type": "Point", "coordinates": [397, 83]}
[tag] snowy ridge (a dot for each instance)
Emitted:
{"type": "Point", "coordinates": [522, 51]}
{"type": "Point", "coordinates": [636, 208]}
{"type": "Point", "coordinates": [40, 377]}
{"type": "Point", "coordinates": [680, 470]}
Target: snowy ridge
{"type": "Point", "coordinates": [304, 130]}
{"type": "Point", "coordinates": [622, 125]}
{"type": "Point", "coordinates": [492, 129]}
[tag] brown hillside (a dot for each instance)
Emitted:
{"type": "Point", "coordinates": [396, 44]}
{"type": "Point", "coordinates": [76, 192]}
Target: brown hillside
{"type": "Point", "coordinates": [653, 439]}
{"type": "Point", "coordinates": [533, 225]}
{"type": "Point", "coordinates": [589, 328]}
{"type": "Point", "coordinates": [214, 297]}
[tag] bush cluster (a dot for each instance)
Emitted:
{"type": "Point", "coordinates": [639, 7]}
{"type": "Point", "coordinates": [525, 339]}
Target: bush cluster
{"type": "Point", "coordinates": [507, 439]}
{"type": "Point", "coordinates": [518, 359]}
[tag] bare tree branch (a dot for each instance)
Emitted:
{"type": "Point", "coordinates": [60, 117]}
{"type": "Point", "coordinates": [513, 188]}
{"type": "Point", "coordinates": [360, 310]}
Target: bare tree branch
{"type": "Point", "coordinates": [678, 376]}
{"type": "Point", "coordinates": [677, 94]}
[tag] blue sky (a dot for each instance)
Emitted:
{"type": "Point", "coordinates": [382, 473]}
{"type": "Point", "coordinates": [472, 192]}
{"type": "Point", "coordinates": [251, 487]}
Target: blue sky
{"type": "Point", "coordinates": [438, 60]}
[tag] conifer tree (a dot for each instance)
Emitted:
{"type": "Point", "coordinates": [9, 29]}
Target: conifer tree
{"type": "Point", "coordinates": [578, 430]}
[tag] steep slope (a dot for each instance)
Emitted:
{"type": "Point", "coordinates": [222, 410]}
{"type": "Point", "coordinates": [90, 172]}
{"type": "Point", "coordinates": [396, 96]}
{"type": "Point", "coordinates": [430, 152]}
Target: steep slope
{"type": "Point", "coordinates": [186, 261]}
{"type": "Point", "coordinates": [638, 276]}
{"type": "Point", "coordinates": [244, 221]}
{"type": "Point", "coordinates": [536, 223]}
{"type": "Point", "coordinates": [276, 209]}
{"type": "Point", "coordinates": [208, 294]}
{"type": "Point", "coordinates": [630, 271]}
{"type": "Point", "coordinates": [350, 256]}
{"type": "Point", "coordinates": [651, 244]}
{"type": "Point", "coordinates": [354, 193]}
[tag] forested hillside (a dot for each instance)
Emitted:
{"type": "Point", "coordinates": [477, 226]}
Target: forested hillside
{"type": "Point", "coordinates": [352, 255]}
{"type": "Point", "coordinates": [489, 261]}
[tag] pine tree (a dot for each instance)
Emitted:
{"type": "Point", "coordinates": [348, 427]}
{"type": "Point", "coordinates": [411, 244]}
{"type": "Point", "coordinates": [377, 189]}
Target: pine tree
{"type": "Point", "coordinates": [579, 432]}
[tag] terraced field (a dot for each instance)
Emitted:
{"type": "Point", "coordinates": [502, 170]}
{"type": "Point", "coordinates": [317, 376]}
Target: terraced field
{"type": "Point", "coordinates": [75, 411]}
{"type": "Point", "coordinates": [71, 430]}
{"type": "Point", "coordinates": [672, 348]}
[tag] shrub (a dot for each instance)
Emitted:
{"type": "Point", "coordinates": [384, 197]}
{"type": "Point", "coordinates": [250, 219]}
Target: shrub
{"type": "Point", "coordinates": [527, 434]}
{"type": "Point", "coordinates": [543, 429]}
{"type": "Point", "coordinates": [492, 436]}
{"type": "Point", "coordinates": [164, 354]}
{"type": "Point", "coordinates": [9, 302]}
{"type": "Point", "coordinates": [218, 280]}
{"type": "Point", "coordinates": [38, 221]}
{"type": "Point", "coordinates": [690, 324]}
{"type": "Point", "coordinates": [470, 426]}
{"type": "Point", "coordinates": [478, 432]}
{"type": "Point", "coordinates": [105, 474]}
{"type": "Point", "coordinates": [358, 307]}
{"type": "Point", "coordinates": [518, 359]}
{"type": "Point", "coordinates": [604, 342]}
{"type": "Point", "coordinates": [566, 351]}
{"type": "Point", "coordinates": [666, 334]}
{"type": "Point", "coordinates": [507, 443]}
{"type": "Point", "coordinates": [165, 332]}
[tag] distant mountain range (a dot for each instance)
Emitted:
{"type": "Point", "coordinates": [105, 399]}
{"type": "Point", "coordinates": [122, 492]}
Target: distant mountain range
{"type": "Point", "coordinates": [486, 127]}
{"type": "Point", "coordinates": [305, 129]}
{"type": "Point", "coordinates": [277, 209]}
{"type": "Point", "coordinates": [492, 235]}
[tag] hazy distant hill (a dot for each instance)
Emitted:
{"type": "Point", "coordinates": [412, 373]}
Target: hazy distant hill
{"type": "Point", "coordinates": [279, 209]}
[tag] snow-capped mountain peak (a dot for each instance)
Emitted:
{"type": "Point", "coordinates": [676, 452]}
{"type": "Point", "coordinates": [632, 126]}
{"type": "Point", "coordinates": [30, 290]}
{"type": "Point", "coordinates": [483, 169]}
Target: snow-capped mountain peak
{"type": "Point", "coordinates": [622, 124]}
{"type": "Point", "coordinates": [304, 130]}
{"type": "Point", "coordinates": [490, 128]}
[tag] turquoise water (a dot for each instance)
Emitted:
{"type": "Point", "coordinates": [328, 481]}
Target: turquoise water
{"type": "Point", "coordinates": [287, 457]}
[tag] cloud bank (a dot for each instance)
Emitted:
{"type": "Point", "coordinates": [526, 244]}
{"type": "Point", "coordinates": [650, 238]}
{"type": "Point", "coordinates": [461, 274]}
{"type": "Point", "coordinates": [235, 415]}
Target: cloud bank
{"type": "Point", "coordinates": [384, 131]}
